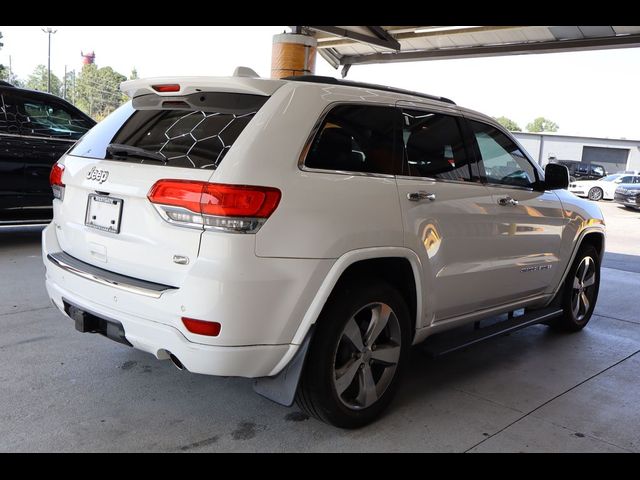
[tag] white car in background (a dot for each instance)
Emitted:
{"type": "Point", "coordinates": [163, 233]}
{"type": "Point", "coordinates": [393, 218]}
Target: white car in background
{"type": "Point", "coordinates": [605, 188]}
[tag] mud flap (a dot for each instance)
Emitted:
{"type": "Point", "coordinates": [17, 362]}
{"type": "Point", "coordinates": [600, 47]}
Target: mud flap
{"type": "Point", "coordinates": [281, 388]}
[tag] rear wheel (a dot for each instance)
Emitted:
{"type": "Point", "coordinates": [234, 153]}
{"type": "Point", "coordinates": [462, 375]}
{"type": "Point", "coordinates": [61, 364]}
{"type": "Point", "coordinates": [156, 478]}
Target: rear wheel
{"type": "Point", "coordinates": [360, 346]}
{"type": "Point", "coordinates": [595, 194]}
{"type": "Point", "coordinates": [580, 291]}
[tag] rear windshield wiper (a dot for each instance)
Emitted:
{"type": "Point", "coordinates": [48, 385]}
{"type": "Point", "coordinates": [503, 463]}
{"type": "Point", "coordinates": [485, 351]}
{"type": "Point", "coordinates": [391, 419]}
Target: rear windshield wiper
{"type": "Point", "coordinates": [121, 150]}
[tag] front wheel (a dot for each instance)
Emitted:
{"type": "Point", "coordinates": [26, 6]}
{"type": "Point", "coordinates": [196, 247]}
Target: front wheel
{"type": "Point", "coordinates": [359, 348]}
{"type": "Point", "coordinates": [580, 291]}
{"type": "Point", "coordinates": [595, 194]}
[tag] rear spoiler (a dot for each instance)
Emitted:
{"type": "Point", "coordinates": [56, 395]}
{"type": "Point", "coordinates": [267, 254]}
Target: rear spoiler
{"type": "Point", "coordinates": [186, 85]}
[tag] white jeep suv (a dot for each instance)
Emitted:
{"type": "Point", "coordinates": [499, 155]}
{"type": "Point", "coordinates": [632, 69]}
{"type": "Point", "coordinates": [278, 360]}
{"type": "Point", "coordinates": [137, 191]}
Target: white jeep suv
{"type": "Point", "coordinates": [306, 232]}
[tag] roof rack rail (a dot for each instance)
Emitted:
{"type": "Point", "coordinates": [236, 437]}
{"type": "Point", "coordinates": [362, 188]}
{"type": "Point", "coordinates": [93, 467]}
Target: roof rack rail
{"type": "Point", "coordinates": [348, 83]}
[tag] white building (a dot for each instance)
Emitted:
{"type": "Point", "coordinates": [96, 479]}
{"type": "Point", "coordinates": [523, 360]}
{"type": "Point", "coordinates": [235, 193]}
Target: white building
{"type": "Point", "coordinates": [615, 155]}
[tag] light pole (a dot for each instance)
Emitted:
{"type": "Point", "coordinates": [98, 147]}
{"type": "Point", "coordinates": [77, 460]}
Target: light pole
{"type": "Point", "coordinates": [49, 31]}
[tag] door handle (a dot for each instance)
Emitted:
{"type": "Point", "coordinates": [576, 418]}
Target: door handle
{"type": "Point", "coordinates": [417, 196]}
{"type": "Point", "coordinates": [507, 201]}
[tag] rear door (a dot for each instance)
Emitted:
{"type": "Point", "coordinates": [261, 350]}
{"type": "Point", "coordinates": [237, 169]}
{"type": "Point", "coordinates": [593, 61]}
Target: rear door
{"type": "Point", "coordinates": [106, 219]}
{"type": "Point", "coordinates": [47, 130]}
{"type": "Point", "coordinates": [11, 161]}
{"type": "Point", "coordinates": [527, 223]}
{"type": "Point", "coordinates": [446, 212]}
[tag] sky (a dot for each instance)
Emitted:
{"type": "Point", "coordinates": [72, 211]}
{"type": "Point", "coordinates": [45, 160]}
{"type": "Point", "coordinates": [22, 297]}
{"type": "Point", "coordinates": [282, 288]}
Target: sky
{"type": "Point", "coordinates": [585, 93]}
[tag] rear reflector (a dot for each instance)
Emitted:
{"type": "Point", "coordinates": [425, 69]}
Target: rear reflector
{"type": "Point", "coordinates": [232, 208]}
{"type": "Point", "coordinates": [172, 87]}
{"type": "Point", "coordinates": [210, 329]}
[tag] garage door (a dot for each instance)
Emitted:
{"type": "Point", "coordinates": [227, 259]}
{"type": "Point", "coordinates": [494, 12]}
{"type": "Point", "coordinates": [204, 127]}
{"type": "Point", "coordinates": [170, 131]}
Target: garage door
{"type": "Point", "coordinates": [612, 159]}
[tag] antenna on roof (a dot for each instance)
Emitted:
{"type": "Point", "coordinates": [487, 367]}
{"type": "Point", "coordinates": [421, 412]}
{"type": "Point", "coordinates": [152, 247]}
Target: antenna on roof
{"type": "Point", "coordinates": [245, 72]}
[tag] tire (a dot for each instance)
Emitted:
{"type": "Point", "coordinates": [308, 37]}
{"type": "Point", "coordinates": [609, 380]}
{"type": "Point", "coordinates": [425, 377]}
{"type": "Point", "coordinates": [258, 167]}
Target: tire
{"type": "Point", "coordinates": [344, 400]}
{"type": "Point", "coordinates": [576, 314]}
{"type": "Point", "coordinates": [595, 194]}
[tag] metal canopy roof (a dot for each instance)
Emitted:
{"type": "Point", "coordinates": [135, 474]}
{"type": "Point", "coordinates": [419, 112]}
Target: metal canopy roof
{"type": "Point", "coordinates": [353, 45]}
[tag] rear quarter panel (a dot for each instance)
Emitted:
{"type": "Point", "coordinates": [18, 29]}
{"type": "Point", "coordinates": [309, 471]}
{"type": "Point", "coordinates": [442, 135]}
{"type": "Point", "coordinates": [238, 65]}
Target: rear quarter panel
{"type": "Point", "coordinates": [320, 215]}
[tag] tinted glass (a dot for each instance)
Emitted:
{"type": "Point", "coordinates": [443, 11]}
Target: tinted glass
{"type": "Point", "coordinates": [194, 131]}
{"type": "Point", "coordinates": [504, 163]}
{"type": "Point", "coordinates": [434, 146]}
{"type": "Point", "coordinates": [357, 138]}
{"type": "Point", "coordinates": [40, 117]}
{"type": "Point", "coordinates": [4, 122]}
{"type": "Point", "coordinates": [626, 179]}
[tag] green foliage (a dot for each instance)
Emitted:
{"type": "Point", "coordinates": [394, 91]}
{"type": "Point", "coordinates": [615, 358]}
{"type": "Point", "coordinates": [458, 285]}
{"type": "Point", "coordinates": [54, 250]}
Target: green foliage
{"type": "Point", "coordinates": [542, 124]}
{"type": "Point", "coordinates": [38, 80]}
{"type": "Point", "coordinates": [508, 124]}
{"type": "Point", "coordinates": [3, 70]}
{"type": "Point", "coordinates": [98, 91]}
{"type": "Point", "coordinates": [68, 88]}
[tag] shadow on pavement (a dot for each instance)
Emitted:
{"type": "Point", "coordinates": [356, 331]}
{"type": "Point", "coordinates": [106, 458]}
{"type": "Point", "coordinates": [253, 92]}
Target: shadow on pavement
{"type": "Point", "coordinates": [622, 261]}
{"type": "Point", "coordinates": [20, 236]}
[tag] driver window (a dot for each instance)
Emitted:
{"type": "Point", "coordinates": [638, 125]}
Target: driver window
{"type": "Point", "coordinates": [504, 163]}
{"type": "Point", "coordinates": [42, 118]}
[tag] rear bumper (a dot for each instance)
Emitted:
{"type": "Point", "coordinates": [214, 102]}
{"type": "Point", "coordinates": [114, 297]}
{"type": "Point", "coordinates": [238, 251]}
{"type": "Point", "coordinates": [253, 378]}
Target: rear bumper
{"type": "Point", "coordinates": [259, 302]}
{"type": "Point", "coordinates": [160, 340]}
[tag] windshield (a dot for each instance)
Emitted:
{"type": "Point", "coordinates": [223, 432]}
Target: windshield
{"type": "Point", "coordinates": [610, 178]}
{"type": "Point", "coordinates": [192, 131]}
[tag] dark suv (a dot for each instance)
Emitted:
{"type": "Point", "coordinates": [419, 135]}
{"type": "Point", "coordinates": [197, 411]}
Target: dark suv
{"type": "Point", "coordinates": [36, 129]}
{"type": "Point", "coordinates": [582, 171]}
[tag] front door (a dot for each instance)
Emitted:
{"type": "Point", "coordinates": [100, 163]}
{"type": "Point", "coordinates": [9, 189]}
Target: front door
{"type": "Point", "coordinates": [446, 213]}
{"type": "Point", "coordinates": [527, 223]}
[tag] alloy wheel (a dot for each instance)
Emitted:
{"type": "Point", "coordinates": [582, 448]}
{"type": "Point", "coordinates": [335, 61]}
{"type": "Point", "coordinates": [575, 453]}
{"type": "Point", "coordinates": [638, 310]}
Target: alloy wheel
{"type": "Point", "coordinates": [367, 356]}
{"type": "Point", "coordinates": [583, 291]}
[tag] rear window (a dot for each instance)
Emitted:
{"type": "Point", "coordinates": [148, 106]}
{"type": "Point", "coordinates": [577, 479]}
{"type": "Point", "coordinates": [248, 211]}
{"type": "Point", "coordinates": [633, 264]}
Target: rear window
{"type": "Point", "coordinates": [192, 131]}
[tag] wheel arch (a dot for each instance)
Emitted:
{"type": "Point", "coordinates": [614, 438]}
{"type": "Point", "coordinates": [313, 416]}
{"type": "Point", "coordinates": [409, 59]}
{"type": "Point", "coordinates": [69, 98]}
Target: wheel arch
{"type": "Point", "coordinates": [591, 236]}
{"type": "Point", "coordinates": [400, 267]}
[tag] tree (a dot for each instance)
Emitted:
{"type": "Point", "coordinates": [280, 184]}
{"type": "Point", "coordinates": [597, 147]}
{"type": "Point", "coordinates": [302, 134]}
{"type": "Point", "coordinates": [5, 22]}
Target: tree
{"type": "Point", "coordinates": [3, 72]}
{"type": "Point", "coordinates": [69, 86]}
{"type": "Point", "coordinates": [38, 80]}
{"type": "Point", "coordinates": [98, 91]}
{"type": "Point", "coordinates": [542, 124]}
{"type": "Point", "coordinates": [508, 124]}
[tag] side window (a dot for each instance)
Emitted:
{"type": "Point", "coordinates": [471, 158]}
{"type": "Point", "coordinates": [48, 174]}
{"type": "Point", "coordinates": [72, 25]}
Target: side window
{"type": "Point", "coordinates": [357, 138]}
{"type": "Point", "coordinates": [626, 180]}
{"type": "Point", "coordinates": [503, 162]}
{"type": "Point", "coordinates": [433, 146]}
{"type": "Point", "coordinates": [4, 123]}
{"type": "Point", "coordinates": [44, 118]}
{"type": "Point", "coordinates": [8, 115]}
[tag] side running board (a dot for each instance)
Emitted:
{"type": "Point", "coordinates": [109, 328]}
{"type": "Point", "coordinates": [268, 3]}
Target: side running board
{"type": "Point", "coordinates": [440, 344]}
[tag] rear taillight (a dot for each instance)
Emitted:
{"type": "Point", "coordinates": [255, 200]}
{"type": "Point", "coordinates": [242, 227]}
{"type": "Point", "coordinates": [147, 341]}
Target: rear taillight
{"type": "Point", "coordinates": [55, 179]}
{"type": "Point", "coordinates": [230, 208]}
{"type": "Point", "coordinates": [210, 329]}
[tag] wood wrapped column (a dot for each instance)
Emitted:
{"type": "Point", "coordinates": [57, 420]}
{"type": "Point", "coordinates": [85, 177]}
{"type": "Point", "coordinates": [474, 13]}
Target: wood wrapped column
{"type": "Point", "coordinates": [293, 54]}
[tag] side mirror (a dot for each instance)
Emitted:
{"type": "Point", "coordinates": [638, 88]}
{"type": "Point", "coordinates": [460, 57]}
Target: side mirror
{"type": "Point", "coordinates": [556, 177]}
